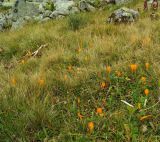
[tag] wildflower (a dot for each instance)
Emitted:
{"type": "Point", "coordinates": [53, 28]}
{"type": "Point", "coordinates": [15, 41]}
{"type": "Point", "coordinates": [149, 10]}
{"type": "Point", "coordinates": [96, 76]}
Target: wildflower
{"type": "Point", "coordinates": [133, 67]}
{"type": "Point", "coordinates": [146, 117]}
{"type": "Point", "coordinates": [41, 82]}
{"type": "Point", "coordinates": [143, 79]}
{"type": "Point", "coordinates": [90, 127]}
{"type": "Point", "coordinates": [118, 73]}
{"type": "Point", "coordinates": [13, 81]}
{"type": "Point", "coordinates": [108, 69]}
{"type": "Point", "coordinates": [147, 66]}
{"type": "Point", "coordinates": [146, 92]}
{"type": "Point", "coordinates": [80, 116]}
{"type": "Point", "coordinates": [99, 111]}
{"type": "Point", "coordinates": [103, 85]}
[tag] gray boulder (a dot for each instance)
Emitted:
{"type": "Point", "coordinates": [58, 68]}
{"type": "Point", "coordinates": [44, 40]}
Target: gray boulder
{"type": "Point", "coordinates": [47, 13]}
{"type": "Point", "coordinates": [23, 8]}
{"type": "Point", "coordinates": [1, 24]}
{"type": "Point", "coordinates": [85, 6]}
{"type": "Point", "coordinates": [18, 24]}
{"type": "Point", "coordinates": [63, 8]}
{"type": "Point", "coordinates": [45, 19]}
{"type": "Point", "coordinates": [5, 21]}
{"type": "Point", "coordinates": [123, 15]}
{"type": "Point", "coordinates": [7, 4]}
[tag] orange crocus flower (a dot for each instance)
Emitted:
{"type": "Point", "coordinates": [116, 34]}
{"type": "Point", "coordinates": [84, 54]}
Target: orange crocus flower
{"type": "Point", "coordinates": [108, 69]}
{"type": "Point", "coordinates": [99, 111]}
{"type": "Point", "coordinates": [147, 66]}
{"type": "Point", "coordinates": [146, 92]}
{"type": "Point", "coordinates": [90, 127]}
{"type": "Point", "coordinates": [41, 82]}
{"type": "Point", "coordinates": [133, 67]}
{"type": "Point", "coordinates": [13, 81]}
{"type": "Point", "coordinates": [103, 85]}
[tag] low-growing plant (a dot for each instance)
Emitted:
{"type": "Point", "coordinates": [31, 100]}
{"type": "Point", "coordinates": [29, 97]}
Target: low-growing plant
{"type": "Point", "coordinates": [75, 22]}
{"type": "Point", "coordinates": [95, 3]}
{"type": "Point", "coordinates": [50, 6]}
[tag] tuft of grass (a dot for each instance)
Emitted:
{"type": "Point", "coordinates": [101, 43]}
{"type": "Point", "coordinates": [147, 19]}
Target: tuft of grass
{"type": "Point", "coordinates": [75, 22]}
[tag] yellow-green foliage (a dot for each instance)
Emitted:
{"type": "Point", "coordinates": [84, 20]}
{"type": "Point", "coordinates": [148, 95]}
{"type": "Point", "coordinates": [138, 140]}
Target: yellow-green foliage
{"type": "Point", "coordinates": [72, 90]}
{"type": "Point", "coordinates": [75, 22]}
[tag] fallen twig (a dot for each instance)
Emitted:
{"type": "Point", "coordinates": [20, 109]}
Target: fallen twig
{"type": "Point", "coordinates": [37, 51]}
{"type": "Point", "coordinates": [33, 54]}
{"type": "Point", "coordinates": [127, 103]}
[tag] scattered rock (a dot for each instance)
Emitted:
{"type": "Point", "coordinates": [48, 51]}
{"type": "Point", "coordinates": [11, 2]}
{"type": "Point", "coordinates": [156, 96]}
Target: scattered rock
{"type": "Point", "coordinates": [123, 15]}
{"type": "Point", "coordinates": [47, 13]}
{"type": "Point", "coordinates": [5, 21]}
{"type": "Point", "coordinates": [7, 5]}
{"type": "Point", "coordinates": [23, 11]}
{"type": "Point", "coordinates": [64, 8]}
{"type": "Point", "coordinates": [85, 6]}
{"type": "Point", "coordinates": [18, 24]}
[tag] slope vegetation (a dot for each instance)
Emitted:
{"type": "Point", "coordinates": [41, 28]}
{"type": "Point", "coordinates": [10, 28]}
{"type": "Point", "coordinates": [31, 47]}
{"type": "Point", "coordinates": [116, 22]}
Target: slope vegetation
{"type": "Point", "coordinates": [75, 88]}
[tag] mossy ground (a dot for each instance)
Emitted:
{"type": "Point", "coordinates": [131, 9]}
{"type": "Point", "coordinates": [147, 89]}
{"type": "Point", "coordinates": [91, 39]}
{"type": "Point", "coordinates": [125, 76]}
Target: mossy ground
{"type": "Point", "coordinates": [43, 98]}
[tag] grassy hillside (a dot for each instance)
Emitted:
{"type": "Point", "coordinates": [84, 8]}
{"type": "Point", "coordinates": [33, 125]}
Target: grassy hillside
{"type": "Point", "coordinates": [72, 89]}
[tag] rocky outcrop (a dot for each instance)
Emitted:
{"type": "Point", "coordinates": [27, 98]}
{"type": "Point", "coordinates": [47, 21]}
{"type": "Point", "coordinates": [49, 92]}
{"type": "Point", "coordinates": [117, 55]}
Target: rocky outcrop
{"type": "Point", "coordinates": [22, 11]}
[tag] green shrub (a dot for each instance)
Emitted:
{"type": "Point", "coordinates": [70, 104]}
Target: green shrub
{"type": "Point", "coordinates": [75, 22]}
{"type": "Point", "coordinates": [50, 6]}
{"type": "Point", "coordinates": [95, 3]}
